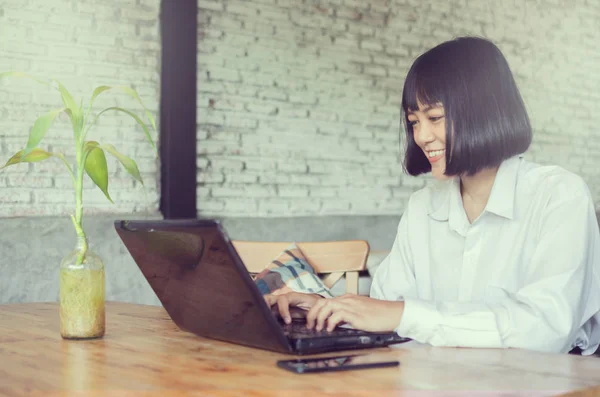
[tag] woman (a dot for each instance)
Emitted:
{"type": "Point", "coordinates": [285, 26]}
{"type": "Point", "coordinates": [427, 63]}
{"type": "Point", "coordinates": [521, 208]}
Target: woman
{"type": "Point", "coordinates": [502, 252]}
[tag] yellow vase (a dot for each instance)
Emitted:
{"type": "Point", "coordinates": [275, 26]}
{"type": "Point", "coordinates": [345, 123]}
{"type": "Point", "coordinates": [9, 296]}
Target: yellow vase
{"type": "Point", "coordinates": [82, 313]}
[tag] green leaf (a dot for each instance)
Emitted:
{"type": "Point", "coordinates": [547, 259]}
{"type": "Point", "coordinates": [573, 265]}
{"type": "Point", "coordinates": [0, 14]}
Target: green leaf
{"type": "Point", "coordinates": [21, 74]}
{"type": "Point", "coordinates": [140, 122]}
{"type": "Point", "coordinates": [65, 162]}
{"type": "Point", "coordinates": [39, 129]}
{"type": "Point", "coordinates": [69, 102]}
{"type": "Point", "coordinates": [128, 163]}
{"type": "Point", "coordinates": [96, 167]}
{"type": "Point", "coordinates": [80, 122]}
{"type": "Point", "coordinates": [99, 90]}
{"type": "Point", "coordinates": [67, 98]}
{"type": "Point", "coordinates": [34, 156]}
{"type": "Point", "coordinates": [129, 91]}
{"type": "Point", "coordinates": [133, 93]}
{"type": "Point", "coordinates": [13, 74]}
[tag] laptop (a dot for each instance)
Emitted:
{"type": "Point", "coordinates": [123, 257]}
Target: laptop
{"type": "Point", "coordinates": [202, 283]}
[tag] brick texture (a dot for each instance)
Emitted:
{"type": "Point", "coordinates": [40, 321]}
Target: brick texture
{"type": "Point", "coordinates": [83, 44]}
{"type": "Point", "coordinates": [298, 101]}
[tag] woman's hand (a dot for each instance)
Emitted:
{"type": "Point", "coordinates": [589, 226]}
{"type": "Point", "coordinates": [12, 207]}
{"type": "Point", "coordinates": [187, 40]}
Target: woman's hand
{"type": "Point", "coordinates": [294, 300]}
{"type": "Point", "coordinates": [360, 312]}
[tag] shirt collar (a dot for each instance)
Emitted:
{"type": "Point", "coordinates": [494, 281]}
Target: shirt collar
{"type": "Point", "coordinates": [439, 200]}
{"type": "Point", "coordinates": [446, 195]}
{"type": "Point", "coordinates": [502, 197]}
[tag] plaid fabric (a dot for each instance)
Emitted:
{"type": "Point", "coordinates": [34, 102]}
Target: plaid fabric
{"type": "Point", "coordinates": [290, 271]}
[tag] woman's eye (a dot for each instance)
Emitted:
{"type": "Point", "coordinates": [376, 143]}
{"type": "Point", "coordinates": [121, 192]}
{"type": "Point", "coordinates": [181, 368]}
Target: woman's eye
{"type": "Point", "coordinates": [412, 122]}
{"type": "Point", "coordinates": [433, 119]}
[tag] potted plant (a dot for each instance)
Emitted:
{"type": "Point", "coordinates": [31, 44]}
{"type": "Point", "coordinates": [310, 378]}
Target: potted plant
{"type": "Point", "coordinates": [82, 313]}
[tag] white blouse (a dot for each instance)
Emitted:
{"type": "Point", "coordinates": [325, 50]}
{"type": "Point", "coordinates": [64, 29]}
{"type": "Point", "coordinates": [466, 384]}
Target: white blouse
{"type": "Point", "coordinates": [524, 274]}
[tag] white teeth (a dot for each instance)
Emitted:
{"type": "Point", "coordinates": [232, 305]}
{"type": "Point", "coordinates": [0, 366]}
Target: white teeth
{"type": "Point", "coordinates": [435, 153]}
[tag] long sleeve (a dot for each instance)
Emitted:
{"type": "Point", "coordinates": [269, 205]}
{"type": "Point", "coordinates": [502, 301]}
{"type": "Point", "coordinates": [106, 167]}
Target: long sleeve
{"type": "Point", "coordinates": [559, 294]}
{"type": "Point", "coordinates": [397, 266]}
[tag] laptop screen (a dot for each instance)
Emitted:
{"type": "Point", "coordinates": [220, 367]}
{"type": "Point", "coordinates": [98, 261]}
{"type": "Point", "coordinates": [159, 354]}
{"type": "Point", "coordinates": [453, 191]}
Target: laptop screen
{"type": "Point", "coordinates": [201, 282]}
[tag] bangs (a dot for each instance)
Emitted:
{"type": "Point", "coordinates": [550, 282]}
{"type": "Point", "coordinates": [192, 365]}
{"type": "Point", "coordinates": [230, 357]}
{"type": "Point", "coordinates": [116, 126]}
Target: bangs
{"type": "Point", "coordinates": [424, 84]}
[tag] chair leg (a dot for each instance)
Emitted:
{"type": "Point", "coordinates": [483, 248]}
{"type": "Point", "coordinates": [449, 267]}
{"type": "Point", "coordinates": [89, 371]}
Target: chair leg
{"type": "Point", "coordinates": [332, 278]}
{"type": "Point", "coordinates": [352, 283]}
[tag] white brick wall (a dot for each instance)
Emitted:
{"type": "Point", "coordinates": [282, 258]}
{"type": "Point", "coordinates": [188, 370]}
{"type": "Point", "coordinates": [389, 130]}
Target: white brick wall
{"type": "Point", "coordinates": [298, 102]}
{"type": "Point", "coordinates": [84, 44]}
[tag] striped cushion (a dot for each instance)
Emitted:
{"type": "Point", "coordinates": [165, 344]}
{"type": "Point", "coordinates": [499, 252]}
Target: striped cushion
{"type": "Point", "coordinates": [290, 271]}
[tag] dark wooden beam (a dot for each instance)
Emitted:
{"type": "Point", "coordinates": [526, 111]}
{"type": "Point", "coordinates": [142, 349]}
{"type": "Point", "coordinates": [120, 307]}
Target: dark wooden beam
{"type": "Point", "coordinates": [178, 26]}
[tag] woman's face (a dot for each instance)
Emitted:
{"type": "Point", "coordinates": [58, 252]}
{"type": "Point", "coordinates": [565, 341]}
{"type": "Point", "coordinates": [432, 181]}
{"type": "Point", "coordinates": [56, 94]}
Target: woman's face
{"type": "Point", "coordinates": [429, 131]}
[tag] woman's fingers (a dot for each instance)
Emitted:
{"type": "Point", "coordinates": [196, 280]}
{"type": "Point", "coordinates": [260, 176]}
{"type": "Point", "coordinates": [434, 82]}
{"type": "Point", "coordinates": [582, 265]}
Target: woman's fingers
{"type": "Point", "coordinates": [326, 311]}
{"type": "Point", "coordinates": [360, 312]}
{"type": "Point", "coordinates": [270, 299]}
{"type": "Point", "coordinates": [312, 314]}
{"type": "Point", "coordinates": [282, 303]}
{"type": "Point", "coordinates": [284, 308]}
{"type": "Point", "coordinates": [330, 312]}
{"type": "Point", "coordinates": [340, 316]}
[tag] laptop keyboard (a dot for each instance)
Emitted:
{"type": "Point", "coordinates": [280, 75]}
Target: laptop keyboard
{"type": "Point", "coordinates": [298, 329]}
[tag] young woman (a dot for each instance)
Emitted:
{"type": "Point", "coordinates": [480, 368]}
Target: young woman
{"type": "Point", "coordinates": [501, 252]}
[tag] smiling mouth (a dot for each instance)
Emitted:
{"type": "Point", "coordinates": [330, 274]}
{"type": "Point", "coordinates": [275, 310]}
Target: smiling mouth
{"type": "Point", "coordinates": [435, 153]}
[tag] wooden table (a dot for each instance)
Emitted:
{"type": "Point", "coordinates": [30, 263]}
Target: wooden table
{"type": "Point", "coordinates": [144, 353]}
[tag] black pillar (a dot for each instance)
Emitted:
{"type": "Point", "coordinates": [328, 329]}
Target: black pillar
{"type": "Point", "coordinates": [178, 26]}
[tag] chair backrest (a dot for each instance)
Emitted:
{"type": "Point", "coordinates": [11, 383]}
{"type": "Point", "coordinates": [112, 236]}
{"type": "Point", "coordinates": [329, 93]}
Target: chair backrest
{"type": "Point", "coordinates": [330, 259]}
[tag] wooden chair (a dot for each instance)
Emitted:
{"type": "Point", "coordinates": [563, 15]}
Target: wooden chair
{"type": "Point", "coordinates": [332, 260]}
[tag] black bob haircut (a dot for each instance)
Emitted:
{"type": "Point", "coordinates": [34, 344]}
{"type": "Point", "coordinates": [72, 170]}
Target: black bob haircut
{"type": "Point", "coordinates": [486, 120]}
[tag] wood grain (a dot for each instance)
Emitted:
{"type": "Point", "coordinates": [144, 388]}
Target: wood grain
{"type": "Point", "coordinates": [144, 353]}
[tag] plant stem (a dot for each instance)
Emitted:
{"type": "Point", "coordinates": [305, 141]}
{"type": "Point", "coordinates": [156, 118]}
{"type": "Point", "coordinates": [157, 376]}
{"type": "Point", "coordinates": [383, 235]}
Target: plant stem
{"type": "Point", "coordinates": [77, 221]}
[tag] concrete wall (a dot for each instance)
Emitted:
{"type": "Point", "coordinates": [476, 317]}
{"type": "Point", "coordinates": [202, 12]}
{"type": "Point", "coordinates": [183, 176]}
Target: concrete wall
{"type": "Point", "coordinates": [298, 101]}
{"type": "Point", "coordinates": [31, 249]}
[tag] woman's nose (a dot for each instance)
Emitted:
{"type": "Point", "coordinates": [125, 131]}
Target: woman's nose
{"type": "Point", "coordinates": [423, 134]}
